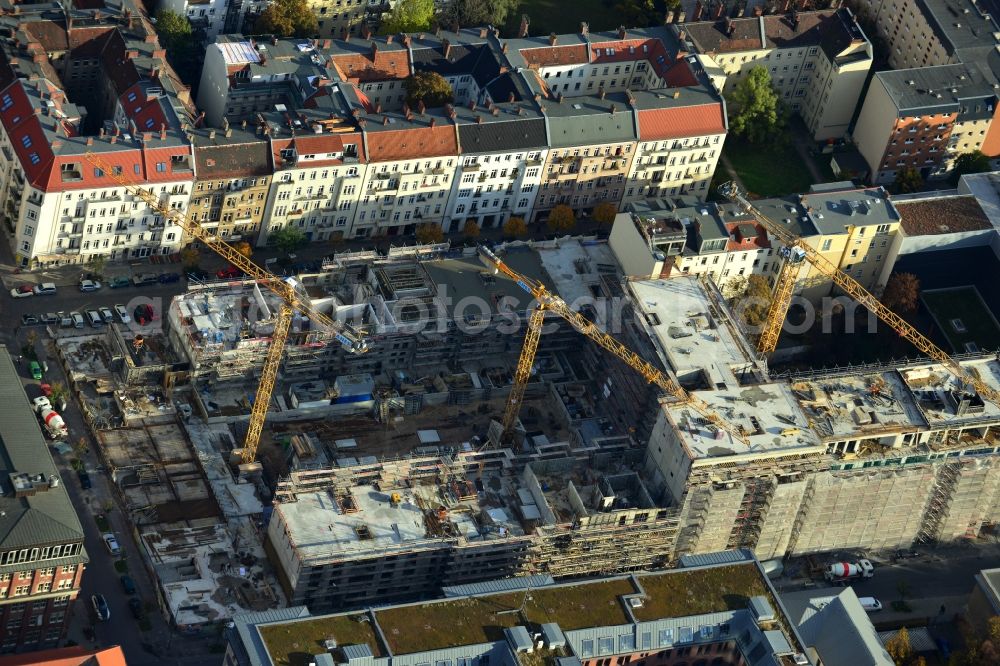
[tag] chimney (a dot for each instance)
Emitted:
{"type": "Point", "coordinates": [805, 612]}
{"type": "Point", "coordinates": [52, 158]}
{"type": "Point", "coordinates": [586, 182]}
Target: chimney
{"type": "Point", "coordinates": [406, 109]}
{"type": "Point", "coordinates": [503, 49]}
{"type": "Point", "coordinates": [681, 36]}
{"type": "Point", "coordinates": [456, 28]}
{"type": "Point", "coordinates": [160, 53]}
{"type": "Point", "coordinates": [362, 123]}
{"type": "Point", "coordinates": [600, 93]}
{"type": "Point", "coordinates": [479, 119]}
{"type": "Point", "coordinates": [90, 140]}
{"type": "Point", "coordinates": [366, 32]}
{"type": "Point", "coordinates": [404, 39]}
{"type": "Point", "coordinates": [614, 109]}
{"type": "Point", "coordinates": [437, 30]}
{"type": "Point", "coordinates": [559, 98]}
{"type": "Point", "coordinates": [584, 28]}
{"type": "Point", "coordinates": [100, 133]}
{"type": "Point", "coordinates": [483, 32]}
{"type": "Point", "coordinates": [421, 107]}
{"type": "Point", "coordinates": [730, 27]}
{"type": "Point", "coordinates": [409, 115]}
{"type": "Point", "coordinates": [433, 122]}
{"type": "Point", "coordinates": [132, 53]}
{"type": "Point", "coordinates": [495, 111]}
{"type": "Point", "coordinates": [388, 39]}
{"type": "Point", "coordinates": [163, 132]}
{"type": "Point", "coordinates": [520, 111]}
{"type": "Point", "coordinates": [243, 125]}
{"type": "Point", "coordinates": [511, 97]}
{"type": "Point", "coordinates": [445, 48]}
{"type": "Point", "coordinates": [378, 107]}
{"type": "Point", "coordinates": [150, 38]}
{"type": "Point", "coordinates": [114, 139]}
{"type": "Point", "coordinates": [621, 32]}
{"type": "Point", "coordinates": [327, 43]}
{"type": "Point", "coordinates": [211, 134]}
{"type": "Point", "coordinates": [344, 35]}
{"type": "Point", "coordinates": [229, 133]}
{"type": "Point", "coordinates": [522, 30]}
{"type": "Point", "coordinates": [472, 105]}
{"type": "Point", "coordinates": [698, 8]}
{"type": "Point", "coordinates": [758, 11]}
{"type": "Point", "coordinates": [385, 120]}
{"type": "Point", "coordinates": [200, 119]}
{"type": "Point", "coordinates": [57, 144]}
{"type": "Point", "coordinates": [553, 39]}
{"type": "Point", "coordinates": [274, 40]}
{"type": "Point", "coordinates": [717, 11]}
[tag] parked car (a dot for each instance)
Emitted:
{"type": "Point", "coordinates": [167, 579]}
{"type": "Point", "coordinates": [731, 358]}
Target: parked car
{"type": "Point", "coordinates": [127, 584]}
{"type": "Point", "coordinates": [45, 289]}
{"type": "Point", "coordinates": [870, 604]}
{"type": "Point", "coordinates": [36, 370]}
{"type": "Point", "coordinates": [65, 319]}
{"type": "Point", "coordinates": [22, 291]}
{"type": "Point", "coordinates": [122, 313]}
{"type": "Point", "coordinates": [89, 285]}
{"type": "Point", "coordinates": [29, 320]}
{"type": "Point", "coordinates": [135, 605]}
{"type": "Point", "coordinates": [50, 318]}
{"type": "Point", "coordinates": [112, 543]}
{"type": "Point", "coordinates": [228, 273]}
{"type": "Point", "coordinates": [169, 278]}
{"type": "Point", "coordinates": [101, 609]}
{"type": "Point", "coordinates": [107, 315]}
{"type": "Point", "coordinates": [905, 554]}
{"type": "Point", "coordinates": [77, 319]}
{"type": "Point", "coordinates": [119, 281]}
{"type": "Point", "coordinates": [144, 279]}
{"type": "Point", "coordinates": [94, 317]}
{"type": "Point", "coordinates": [84, 479]}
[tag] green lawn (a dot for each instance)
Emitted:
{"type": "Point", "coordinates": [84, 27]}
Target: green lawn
{"type": "Point", "coordinates": [768, 170]}
{"type": "Point", "coordinates": [554, 16]}
{"type": "Point", "coordinates": [963, 303]}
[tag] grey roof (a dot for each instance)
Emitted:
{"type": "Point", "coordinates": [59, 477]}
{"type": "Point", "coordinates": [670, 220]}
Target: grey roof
{"type": "Point", "coordinates": [578, 121]}
{"type": "Point", "coordinates": [761, 608]}
{"type": "Point", "coordinates": [832, 621]}
{"type": "Point", "coordinates": [500, 133]}
{"type": "Point", "coordinates": [499, 585]}
{"type": "Point", "coordinates": [941, 89]}
{"type": "Point", "coordinates": [830, 212]}
{"type": "Point", "coordinates": [553, 635]}
{"type": "Point", "coordinates": [721, 557]}
{"type": "Point", "coordinates": [519, 638]}
{"type": "Point", "coordinates": [242, 154]}
{"type": "Point", "coordinates": [48, 516]}
{"type": "Point", "coordinates": [245, 639]}
{"type": "Point", "coordinates": [958, 23]}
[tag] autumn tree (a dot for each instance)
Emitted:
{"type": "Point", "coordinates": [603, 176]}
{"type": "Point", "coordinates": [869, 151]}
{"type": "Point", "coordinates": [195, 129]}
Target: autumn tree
{"type": "Point", "coordinates": [429, 233]}
{"type": "Point", "coordinates": [408, 16]}
{"type": "Point", "coordinates": [287, 239]}
{"type": "Point", "coordinates": [429, 87]}
{"type": "Point", "coordinates": [907, 180]}
{"type": "Point", "coordinates": [478, 12]}
{"type": "Point", "coordinates": [751, 297]}
{"type": "Point", "coordinates": [902, 293]}
{"type": "Point", "coordinates": [604, 213]}
{"type": "Point", "coordinates": [561, 218]}
{"type": "Point", "coordinates": [756, 113]}
{"type": "Point", "coordinates": [974, 162]}
{"type": "Point", "coordinates": [471, 229]}
{"type": "Point", "coordinates": [899, 648]}
{"type": "Point", "coordinates": [190, 256]}
{"type": "Point", "coordinates": [96, 264]}
{"type": "Point", "coordinates": [287, 18]}
{"type": "Point", "coordinates": [244, 248]}
{"type": "Point", "coordinates": [515, 227]}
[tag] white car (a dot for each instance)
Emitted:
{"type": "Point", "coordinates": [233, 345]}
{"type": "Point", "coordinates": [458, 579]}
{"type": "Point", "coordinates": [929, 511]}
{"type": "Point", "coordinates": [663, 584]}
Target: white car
{"type": "Point", "coordinates": [112, 543]}
{"type": "Point", "coordinates": [107, 315]}
{"type": "Point", "coordinates": [122, 313]}
{"type": "Point", "coordinates": [45, 288]}
{"type": "Point", "coordinates": [89, 285]}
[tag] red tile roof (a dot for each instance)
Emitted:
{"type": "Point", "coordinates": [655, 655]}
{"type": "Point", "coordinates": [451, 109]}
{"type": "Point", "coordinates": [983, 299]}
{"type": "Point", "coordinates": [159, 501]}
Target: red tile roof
{"type": "Point", "coordinates": [678, 122]}
{"type": "Point", "coordinates": [412, 143]}
{"type": "Point", "coordinates": [758, 242]}
{"type": "Point", "coordinates": [385, 66]}
{"type": "Point", "coordinates": [552, 56]}
{"type": "Point", "coordinates": [26, 134]}
{"type": "Point", "coordinates": [68, 656]}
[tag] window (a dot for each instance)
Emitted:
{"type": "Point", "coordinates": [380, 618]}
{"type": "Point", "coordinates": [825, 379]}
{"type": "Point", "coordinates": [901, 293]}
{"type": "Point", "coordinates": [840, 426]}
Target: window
{"type": "Point", "coordinates": [21, 590]}
{"type": "Point", "coordinates": [26, 141]}
{"type": "Point", "coordinates": [666, 637]}
{"type": "Point", "coordinates": [605, 645]}
{"type": "Point", "coordinates": [7, 102]}
{"type": "Point", "coordinates": [161, 167]}
{"type": "Point", "coordinates": [137, 169]}
{"type": "Point", "coordinates": [131, 96]}
{"type": "Point", "coordinates": [35, 159]}
{"type": "Point", "coordinates": [98, 173]}
{"type": "Point", "coordinates": [626, 643]}
{"type": "Point", "coordinates": [826, 245]}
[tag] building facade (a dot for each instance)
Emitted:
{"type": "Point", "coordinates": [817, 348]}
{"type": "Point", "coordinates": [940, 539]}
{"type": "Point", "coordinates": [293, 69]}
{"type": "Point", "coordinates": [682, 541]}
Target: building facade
{"type": "Point", "coordinates": [42, 557]}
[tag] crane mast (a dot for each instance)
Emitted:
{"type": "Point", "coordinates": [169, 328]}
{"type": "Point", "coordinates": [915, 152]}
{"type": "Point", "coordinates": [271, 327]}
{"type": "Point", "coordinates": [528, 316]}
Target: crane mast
{"type": "Point", "coordinates": [549, 302]}
{"type": "Point", "coordinates": [284, 289]}
{"type": "Point", "coordinates": [798, 248]}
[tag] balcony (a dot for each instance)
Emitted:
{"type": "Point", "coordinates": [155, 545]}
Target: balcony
{"type": "Point", "coordinates": [470, 167]}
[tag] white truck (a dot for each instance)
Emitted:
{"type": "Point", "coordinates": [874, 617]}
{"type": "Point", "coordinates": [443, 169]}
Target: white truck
{"type": "Point", "coordinates": [54, 423]}
{"type": "Point", "coordinates": [841, 572]}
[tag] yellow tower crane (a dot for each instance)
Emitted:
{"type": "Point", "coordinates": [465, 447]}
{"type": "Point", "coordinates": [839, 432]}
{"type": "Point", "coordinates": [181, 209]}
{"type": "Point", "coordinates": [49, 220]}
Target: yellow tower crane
{"type": "Point", "coordinates": [292, 300]}
{"type": "Point", "coordinates": [796, 251]}
{"type": "Point", "coordinates": [549, 302]}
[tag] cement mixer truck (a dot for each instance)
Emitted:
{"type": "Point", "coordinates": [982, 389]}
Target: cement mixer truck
{"type": "Point", "coordinates": [53, 423]}
{"type": "Point", "coordinates": [841, 572]}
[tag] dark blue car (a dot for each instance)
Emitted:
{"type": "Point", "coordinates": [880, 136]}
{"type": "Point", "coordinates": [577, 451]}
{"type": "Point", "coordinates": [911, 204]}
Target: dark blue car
{"type": "Point", "coordinates": [169, 278]}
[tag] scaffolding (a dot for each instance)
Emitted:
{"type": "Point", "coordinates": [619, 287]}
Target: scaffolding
{"type": "Point", "coordinates": [939, 503]}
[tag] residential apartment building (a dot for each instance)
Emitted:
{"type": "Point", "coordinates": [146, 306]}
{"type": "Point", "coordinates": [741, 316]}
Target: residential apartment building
{"type": "Point", "coordinates": [129, 108]}
{"type": "Point", "coordinates": [42, 557]}
{"type": "Point", "coordinates": [234, 171]}
{"type": "Point", "coordinates": [737, 619]}
{"type": "Point", "coordinates": [854, 229]}
{"type": "Point", "coordinates": [818, 61]}
{"type": "Point", "coordinates": [534, 123]}
{"type": "Point", "coordinates": [929, 33]}
{"type": "Point", "coordinates": [923, 119]}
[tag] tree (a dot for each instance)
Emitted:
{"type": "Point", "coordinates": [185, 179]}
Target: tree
{"type": "Point", "coordinates": [190, 257]}
{"type": "Point", "coordinates": [899, 647]}
{"type": "Point", "coordinates": [515, 227]}
{"type": "Point", "coordinates": [752, 298]}
{"type": "Point", "coordinates": [96, 264]}
{"type": "Point", "coordinates": [637, 12]}
{"type": "Point", "coordinates": [471, 229]}
{"type": "Point", "coordinates": [408, 16]}
{"type": "Point", "coordinates": [244, 248]}
{"type": "Point", "coordinates": [974, 162]}
{"type": "Point", "coordinates": [287, 18]}
{"type": "Point", "coordinates": [287, 239]}
{"type": "Point", "coordinates": [173, 29]}
{"type": "Point", "coordinates": [58, 394]}
{"type": "Point", "coordinates": [907, 180]}
{"type": "Point", "coordinates": [429, 233]}
{"type": "Point", "coordinates": [902, 293]}
{"type": "Point", "coordinates": [429, 87]}
{"type": "Point", "coordinates": [604, 213]}
{"type": "Point", "coordinates": [756, 113]}
{"type": "Point", "coordinates": [478, 12]}
{"type": "Point", "coordinates": [561, 218]}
